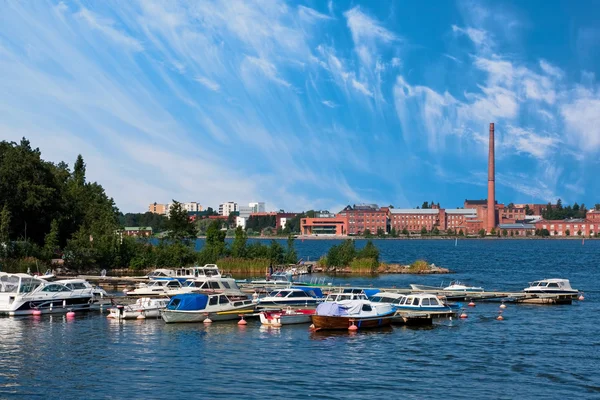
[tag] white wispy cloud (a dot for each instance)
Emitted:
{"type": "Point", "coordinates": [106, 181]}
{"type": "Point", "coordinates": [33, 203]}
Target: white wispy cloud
{"type": "Point", "coordinates": [479, 37]}
{"type": "Point", "coordinates": [329, 103]}
{"type": "Point", "coordinates": [208, 83]}
{"type": "Point", "coordinates": [106, 26]}
{"type": "Point", "coordinates": [267, 68]}
{"type": "Point", "coordinates": [581, 113]}
{"type": "Point", "coordinates": [311, 15]}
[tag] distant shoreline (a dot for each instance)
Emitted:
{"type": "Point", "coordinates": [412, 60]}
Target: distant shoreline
{"type": "Point", "coordinates": [420, 238]}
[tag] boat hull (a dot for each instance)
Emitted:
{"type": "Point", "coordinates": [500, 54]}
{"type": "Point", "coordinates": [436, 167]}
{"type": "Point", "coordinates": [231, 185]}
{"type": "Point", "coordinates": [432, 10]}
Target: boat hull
{"type": "Point", "coordinates": [176, 316]}
{"type": "Point", "coordinates": [286, 318]}
{"type": "Point", "coordinates": [134, 314]}
{"type": "Point", "coordinates": [324, 322]}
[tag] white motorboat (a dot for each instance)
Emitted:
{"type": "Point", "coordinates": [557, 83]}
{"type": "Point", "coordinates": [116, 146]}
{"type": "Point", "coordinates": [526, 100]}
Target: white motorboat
{"type": "Point", "coordinates": [294, 296]}
{"type": "Point", "coordinates": [156, 288]}
{"type": "Point", "coordinates": [423, 302]}
{"type": "Point", "coordinates": [22, 294]}
{"type": "Point", "coordinates": [196, 307]}
{"type": "Point", "coordinates": [288, 316]}
{"type": "Point", "coordinates": [351, 294]}
{"type": "Point", "coordinates": [551, 286]}
{"type": "Point", "coordinates": [391, 298]}
{"type": "Point", "coordinates": [161, 273]}
{"type": "Point", "coordinates": [460, 288]}
{"type": "Point", "coordinates": [83, 286]}
{"type": "Point", "coordinates": [145, 307]}
{"type": "Point", "coordinates": [214, 284]}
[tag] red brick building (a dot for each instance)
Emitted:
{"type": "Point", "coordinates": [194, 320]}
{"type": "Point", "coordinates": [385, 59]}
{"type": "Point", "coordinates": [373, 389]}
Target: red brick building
{"type": "Point", "coordinates": [337, 226]}
{"type": "Point", "coordinates": [589, 226]}
{"type": "Point", "coordinates": [365, 216]}
{"type": "Point", "coordinates": [413, 220]}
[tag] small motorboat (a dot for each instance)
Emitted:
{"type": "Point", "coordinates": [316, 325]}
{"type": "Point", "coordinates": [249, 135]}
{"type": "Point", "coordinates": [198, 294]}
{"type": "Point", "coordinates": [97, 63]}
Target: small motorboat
{"type": "Point", "coordinates": [286, 317]}
{"type": "Point", "coordinates": [394, 299]}
{"type": "Point", "coordinates": [425, 302]}
{"type": "Point", "coordinates": [551, 286]}
{"type": "Point", "coordinates": [460, 288]}
{"type": "Point", "coordinates": [347, 314]}
{"type": "Point", "coordinates": [196, 307]}
{"type": "Point", "coordinates": [294, 296]}
{"type": "Point", "coordinates": [351, 294]}
{"type": "Point", "coordinates": [145, 307]}
{"type": "Point", "coordinates": [163, 287]}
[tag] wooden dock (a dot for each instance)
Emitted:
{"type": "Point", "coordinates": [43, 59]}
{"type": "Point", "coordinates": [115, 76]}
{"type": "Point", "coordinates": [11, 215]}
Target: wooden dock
{"type": "Point", "coordinates": [117, 283]}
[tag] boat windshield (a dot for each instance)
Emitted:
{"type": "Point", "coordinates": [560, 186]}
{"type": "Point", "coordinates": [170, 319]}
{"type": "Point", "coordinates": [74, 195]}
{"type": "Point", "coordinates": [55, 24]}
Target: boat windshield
{"type": "Point", "coordinates": [9, 284]}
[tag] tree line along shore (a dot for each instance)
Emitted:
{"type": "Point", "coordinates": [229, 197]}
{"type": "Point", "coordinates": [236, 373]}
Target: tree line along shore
{"type": "Point", "coordinates": [51, 214]}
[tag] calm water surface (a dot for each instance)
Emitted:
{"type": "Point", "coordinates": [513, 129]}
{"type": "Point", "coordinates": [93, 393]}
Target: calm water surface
{"type": "Point", "coordinates": [549, 351]}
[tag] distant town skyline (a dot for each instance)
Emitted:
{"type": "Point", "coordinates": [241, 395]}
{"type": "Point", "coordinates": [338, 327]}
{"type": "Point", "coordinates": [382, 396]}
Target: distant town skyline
{"type": "Point", "coordinates": [309, 105]}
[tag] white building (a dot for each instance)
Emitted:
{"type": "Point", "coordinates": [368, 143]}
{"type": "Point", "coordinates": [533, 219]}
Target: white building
{"type": "Point", "coordinates": [240, 221]}
{"type": "Point", "coordinates": [245, 211]}
{"type": "Point", "coordinates": [227, 208]}
{"type": "Point", "coordinates": [257, 207]}
{"type": "Point", "coordinates": [192, 206]}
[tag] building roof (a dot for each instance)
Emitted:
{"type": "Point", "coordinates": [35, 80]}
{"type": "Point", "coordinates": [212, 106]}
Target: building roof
{"type": "Point", "coordinates": [137, 228]}
{"type": "Point", "coordinates": [477, 202]}
{"type": "Point", "coordinates": [461, 211]}
{"type": "Point", "coordinates": [516, 226]}
{"type": "Point", "coordinates": [422, 211]}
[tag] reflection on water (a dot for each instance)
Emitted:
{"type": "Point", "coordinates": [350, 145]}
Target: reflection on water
{"type": "Point", "coordinates": [554, 349]}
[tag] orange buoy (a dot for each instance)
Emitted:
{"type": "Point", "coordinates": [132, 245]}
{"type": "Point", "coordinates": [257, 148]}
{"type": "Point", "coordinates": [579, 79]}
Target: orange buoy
{"type": "Point", "coordinates": [353, 327]}
{"type": "Point", "coordinates": [463, 315]}
{"type": "Point", "coordinates": [471, 304]}
{"type": "Point", "coordinates": [581, 298]}
{"type": "Point", "coordinates": [242, 321]}
{"type": "Point", "coordinates": [208, 321]}
{"type": "Point", "coordinates": [500, 317]}
{"type": "Point", "coordinates": [70, 314]}
{"type": "Point", "coordinates": [502, 305]}
{"type": "Point", "coordinates": [37, 312]}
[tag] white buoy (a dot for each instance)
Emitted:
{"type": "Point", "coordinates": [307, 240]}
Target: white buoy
{"type": "Point", "coordinates": [208, 321]}
{"type": "Point", "coordinates": [141, 316]}
{"type": "Point", "coordinates": [503, 306]}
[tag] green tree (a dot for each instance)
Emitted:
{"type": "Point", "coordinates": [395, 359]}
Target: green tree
{"type": "Point", "coordinates": [450, 232]}
{"type": "Point", "coordinates": [179, 226]}
{"type": "Point", "coordinates": [367, 233]}
{"type": "Point", "coordinates": [544, 233]}
{"type": "Point", "coordinates": [461, 233]}
{"type": "Point", "coordinates": [369, 251]}
{"type": "Point", "coordinates": [493, 232]}
{"type": "Point", "coordinates": [238, 247]}
{"type": "Point", "coordinates": [393, 232]}
{"type": "Point", "coordinates": [597, 207]}
{"type": "Point", "coordinates": [512, 233]}
{"type": "Point", "coordinates": [214, 246]}
{"type": "Point", "coordinates": [423, 231]}
{"type": "Point", "coordinates": [568, 232]}
{"type": "Point", "coordinates": [579, 232]}
{"type": "Point", "coordinates": [436, 231]}
{"type": "Point", "coordinates": [52, 241]}
{"type": "Point", "coordinates": [290, 255]}
{"type": "Point", "coordinates": [528, 211]}
{"type": "Point", "coordinates": [276, 253]}
{"type": "Point", "coordinates": [405, 231]}
{"type": "Point", "coordinates": [380, 232]}
{"type": "Point", "coordinates": [4, 225]}
{"type": "Point", "coordinates": [504, 232]}
{"type": "Point", "coordinates": [481, 232]}
{"type": "Point", "coordinates": [425, 205]}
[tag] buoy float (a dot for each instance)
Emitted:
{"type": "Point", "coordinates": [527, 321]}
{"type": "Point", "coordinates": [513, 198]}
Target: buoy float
{"type": "Point", "coordinates": [500, 317]}
{"type": "Point", "coordinates": [471, 304]}
{"type": "Point", "coordinates": [208, 321]}
{"type": "Point", "coordinates": [71, 314]}
{"type": "Point", "coordinates": [242, 321]}
{"type": "Point", "coordinates": [141, 316]}
{"type": "Point", "coordinates": [581, 298]}
{"type": "Point", "coordinates": [37, 312]}
{"type": "Point", "coordinates": [353, 327]}
{"type": "Point", "coordinates": [463, 315]}
{"type": "Point", "coordinates": [312, 326]}
{"type": "Point", "coordinates": [503, 306]}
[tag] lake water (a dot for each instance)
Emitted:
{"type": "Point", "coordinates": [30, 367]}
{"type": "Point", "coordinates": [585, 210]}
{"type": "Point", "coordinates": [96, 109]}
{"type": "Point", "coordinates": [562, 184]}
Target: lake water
{"type": "Point", "coordinates": [542, 351]}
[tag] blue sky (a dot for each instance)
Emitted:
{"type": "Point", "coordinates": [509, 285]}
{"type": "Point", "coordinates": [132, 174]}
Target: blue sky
{"type": "Point", "coordinates": [309, 104]}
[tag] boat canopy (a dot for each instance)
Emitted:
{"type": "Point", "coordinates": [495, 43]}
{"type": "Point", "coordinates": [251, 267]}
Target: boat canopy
{"type": "Point", "coordinates": [188, 302]}
{"type": "Point", "coordinates": [310, 291]}
{"type": "Point", "coordinates": [331, 310]}
{"type": "Point", "coordinates": [367, 292]}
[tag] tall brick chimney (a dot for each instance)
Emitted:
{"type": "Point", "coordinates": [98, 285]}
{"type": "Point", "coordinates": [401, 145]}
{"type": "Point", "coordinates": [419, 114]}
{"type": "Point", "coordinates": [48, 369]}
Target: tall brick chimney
{"type": "Point", "coordinates": [491, 197]}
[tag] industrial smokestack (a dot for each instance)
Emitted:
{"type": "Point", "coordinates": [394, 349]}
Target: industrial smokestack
{"type": "Point", "coordinates": [491, 198]}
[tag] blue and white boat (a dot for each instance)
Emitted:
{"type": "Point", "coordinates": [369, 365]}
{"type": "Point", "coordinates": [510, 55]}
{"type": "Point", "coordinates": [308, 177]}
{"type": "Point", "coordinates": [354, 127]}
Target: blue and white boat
{"type": "Point", "coordinates": [293, 296]}
{"type": "Point", "coordinates": [196, 307]}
